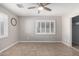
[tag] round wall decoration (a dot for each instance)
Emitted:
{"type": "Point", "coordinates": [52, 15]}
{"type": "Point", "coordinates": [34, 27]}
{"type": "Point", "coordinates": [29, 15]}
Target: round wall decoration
{"type": "Point", "coordinates": [13, 21]}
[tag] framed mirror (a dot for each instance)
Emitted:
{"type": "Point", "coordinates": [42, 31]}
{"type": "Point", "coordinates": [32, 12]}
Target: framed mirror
{"type": "Point", "coordinates": [13, 21]}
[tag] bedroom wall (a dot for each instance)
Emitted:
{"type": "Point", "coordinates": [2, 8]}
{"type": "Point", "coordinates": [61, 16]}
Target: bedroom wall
{"type": "Point", "coordinates": [27, 29]}
{"type": "Point", "coordinates": [12, 30]}
{"type": "Point", "coordinates": [67, 27]}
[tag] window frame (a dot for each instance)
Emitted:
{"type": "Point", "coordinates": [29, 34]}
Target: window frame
{"type": "Point", "coordinates": [36, 24]}
{"type": "Point", "coordinates": [5, 21]}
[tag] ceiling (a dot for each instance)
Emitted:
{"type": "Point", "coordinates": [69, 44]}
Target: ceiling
{"type": "Point", "coordinates": [58, 9]}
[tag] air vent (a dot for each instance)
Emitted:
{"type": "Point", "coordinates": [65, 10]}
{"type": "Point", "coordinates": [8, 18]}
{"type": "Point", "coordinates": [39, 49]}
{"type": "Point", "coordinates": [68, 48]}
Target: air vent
{"type": "Point", "coordinates": [20, 5]}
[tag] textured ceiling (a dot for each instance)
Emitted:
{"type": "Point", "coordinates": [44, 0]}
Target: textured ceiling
{"type": "Point", "coordinates": [57, 9]}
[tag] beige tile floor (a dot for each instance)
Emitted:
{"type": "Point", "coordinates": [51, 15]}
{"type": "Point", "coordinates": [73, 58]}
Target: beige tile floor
{"type": "Point", "coordinates": [40, 49]}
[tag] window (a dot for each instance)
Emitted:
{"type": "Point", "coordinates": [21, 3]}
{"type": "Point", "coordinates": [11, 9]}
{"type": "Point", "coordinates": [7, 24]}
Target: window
{"type": "Point", "coordinates": [3, 25]}
{"type": "Point", "coordinates": [45, 27]}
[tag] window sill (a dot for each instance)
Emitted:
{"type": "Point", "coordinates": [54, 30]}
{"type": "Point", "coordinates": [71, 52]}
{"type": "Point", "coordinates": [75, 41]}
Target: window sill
{"type": "Point", "coordinates": [46, 33]}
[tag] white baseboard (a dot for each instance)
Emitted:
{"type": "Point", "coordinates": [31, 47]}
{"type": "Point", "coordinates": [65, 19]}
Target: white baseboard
{"type": "Point", "coordinates": [66, 44]}
{"type": "Point", "coordinates": [8, 47]}
{"type": "Point", "coordinates": [71, 47]}
{"type": "Point", "coordinates": [75, 49]}
{"type": "Point", "coordinates": [43, 41]}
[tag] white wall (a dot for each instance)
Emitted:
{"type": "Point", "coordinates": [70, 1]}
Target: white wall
{"type": "Point", "coordinates": [27, 29]}
{"type": "Point", "coordinates": [67, 27]}
{"type": "Point", "coordinates": [12, 30]}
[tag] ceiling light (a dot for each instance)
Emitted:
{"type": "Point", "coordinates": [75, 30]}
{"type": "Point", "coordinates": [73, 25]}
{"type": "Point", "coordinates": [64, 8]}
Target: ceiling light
{"type": "Point", "coordinates": [40, 8]}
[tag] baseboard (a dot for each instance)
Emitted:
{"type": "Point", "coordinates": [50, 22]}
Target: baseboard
{"type": "Point", "coordinates": [8, 47]}
{"type": "Point", "coordinates": [65, 44]}
{"type": "Point", "coordinates": [43, 41]}
{"type": "Point", "coordinates": [70, 47]}
{"type": "Point", "coordinates": [75, 49]}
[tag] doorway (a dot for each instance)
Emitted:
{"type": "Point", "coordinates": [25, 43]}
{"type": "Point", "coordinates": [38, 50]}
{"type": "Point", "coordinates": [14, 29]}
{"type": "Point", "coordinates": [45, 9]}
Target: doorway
{"type": "Point", "coordinates": [75, 32]}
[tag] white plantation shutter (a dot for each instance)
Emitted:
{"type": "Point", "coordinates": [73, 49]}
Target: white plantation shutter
{"type": "Point", "coordinates": [45, 27]}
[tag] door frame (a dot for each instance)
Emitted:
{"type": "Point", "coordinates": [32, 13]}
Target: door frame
{"type": "Point", "coordinates": [71, 27]}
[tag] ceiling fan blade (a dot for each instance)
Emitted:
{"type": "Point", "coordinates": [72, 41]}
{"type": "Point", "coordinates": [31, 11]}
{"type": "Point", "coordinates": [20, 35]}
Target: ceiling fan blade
{"type": "Point", "coordinates": [48, 9]}
{"type": "Point", "coordinates": [45, 4]}
{"type": "Point", "coordinates": [20, 5]}
{"type": "Point", "coordinates": [41, 4]}
{"type": "Point", "coordinates": [31, 7]}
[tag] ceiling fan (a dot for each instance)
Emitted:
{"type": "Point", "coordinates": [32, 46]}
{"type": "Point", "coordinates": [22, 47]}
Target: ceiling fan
{"type": "Point", "coordinates": [39, 6]}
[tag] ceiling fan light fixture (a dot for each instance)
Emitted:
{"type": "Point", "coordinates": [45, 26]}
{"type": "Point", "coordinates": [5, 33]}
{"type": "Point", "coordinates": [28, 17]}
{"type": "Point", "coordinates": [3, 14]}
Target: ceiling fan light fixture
{"type": "Point", "coordinates": [40, 8]}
